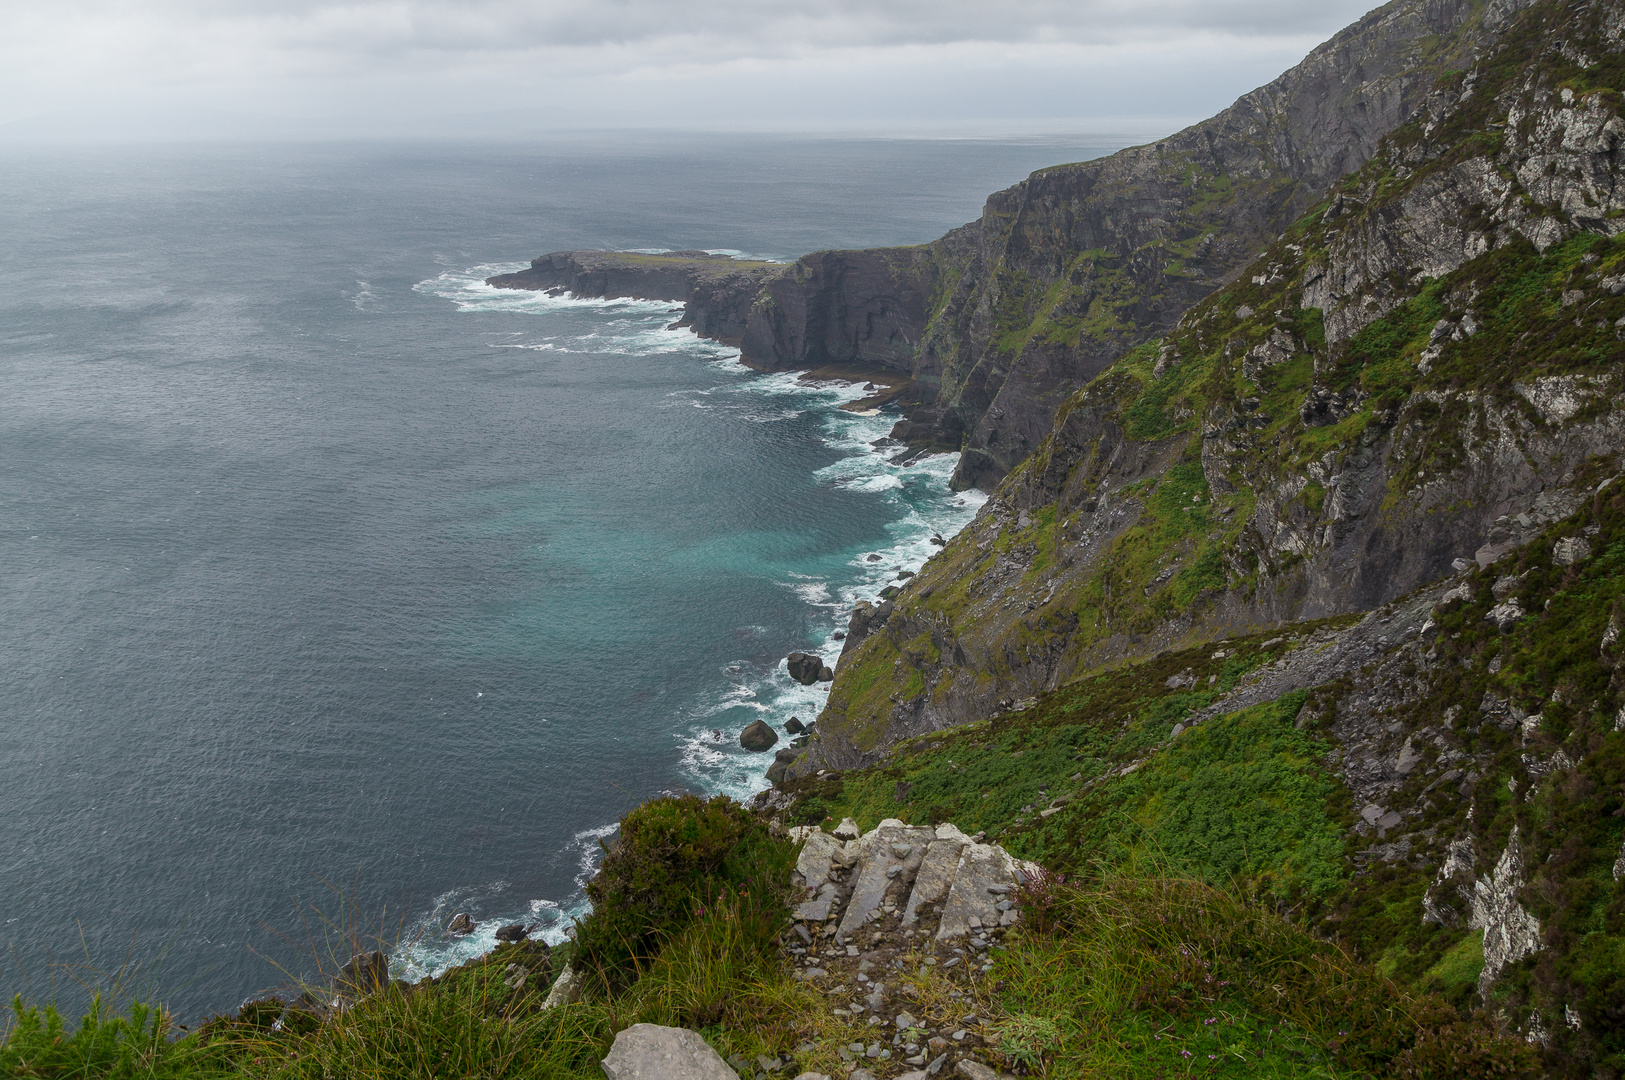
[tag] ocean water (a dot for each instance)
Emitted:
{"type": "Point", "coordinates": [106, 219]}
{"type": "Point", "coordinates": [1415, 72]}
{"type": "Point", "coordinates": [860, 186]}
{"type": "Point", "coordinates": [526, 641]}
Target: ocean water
{"type": "Point", "coordinates": [337, 587]}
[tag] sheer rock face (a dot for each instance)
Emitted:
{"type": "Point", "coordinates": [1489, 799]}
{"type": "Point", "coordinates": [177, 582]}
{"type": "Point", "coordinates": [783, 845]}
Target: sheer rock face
{"type": "Point", "coordinates": [1317, 495]}
{"type": "Point", "coordinates": [1099, 257]}
{"type": "Point", "coordinates": [1000, 320]}
{"type": "Point", "coordinates": [717, 291]}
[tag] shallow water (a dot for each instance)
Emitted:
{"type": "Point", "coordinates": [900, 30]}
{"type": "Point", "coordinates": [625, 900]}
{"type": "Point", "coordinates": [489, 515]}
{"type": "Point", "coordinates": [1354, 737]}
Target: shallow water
{"type": "Point", "coordinates": [335, 578]}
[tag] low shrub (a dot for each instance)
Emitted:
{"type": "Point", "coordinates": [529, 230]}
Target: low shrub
{"type": "Point", "coordinates": [676, 857]}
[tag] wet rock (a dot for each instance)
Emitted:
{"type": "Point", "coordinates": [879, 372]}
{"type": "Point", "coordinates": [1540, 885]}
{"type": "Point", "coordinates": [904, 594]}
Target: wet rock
{"type": "Point", "coordinates": [461, 924]}
{"type": "Point", "coordinates": [758, 737]}
{"type": "Point", "coordinates": [653, 1052]}
{"type": "Point", "coordinates": [804, 668]}
{"type": "Point", "coordinates": [781, 764]}
{"type": "Point", "coordinates": [826, 674]}
{"type": "Point", "coordinates": [511, 932]}
{"type": "Point", "coordinates": [366, 973]}
{"type": "Point", "coordinates": [794, 725]}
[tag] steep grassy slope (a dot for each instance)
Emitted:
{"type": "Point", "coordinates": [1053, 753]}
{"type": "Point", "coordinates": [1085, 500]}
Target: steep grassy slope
{"type": "Point", "coordinates": [1439, 785]}
{"type": "Point", "coordinates": [1408, 377]}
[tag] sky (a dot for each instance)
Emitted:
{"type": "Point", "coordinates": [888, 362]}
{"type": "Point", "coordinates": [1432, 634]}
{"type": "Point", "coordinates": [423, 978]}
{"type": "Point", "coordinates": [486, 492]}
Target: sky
{"type": "Point", "coordinates": [123, 68]}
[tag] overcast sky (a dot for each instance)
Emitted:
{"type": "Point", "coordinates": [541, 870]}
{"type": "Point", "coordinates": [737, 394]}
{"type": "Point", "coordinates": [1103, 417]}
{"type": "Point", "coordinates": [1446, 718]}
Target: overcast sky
{"type": "Point", "coordinates": [492, 66]}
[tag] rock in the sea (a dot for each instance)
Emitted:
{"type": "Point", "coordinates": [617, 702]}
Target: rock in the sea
{"type": "Point", "coordinates": [365, 973]}
{"type": "Point", "coordinates": [652, 1052]}
{"type": "Point", "coordinates": [758, 737]}
{"type": "Point", "coordinates": [804, 667]}
{"type": "Point", "coordinates": [461, 923]}
{"type": "Point", "coordinates": [826, 674]}
{"type": "Point", "coordinates": [794, 726]}
{"type": "Point", "coordinates": [781, 764]}
{"type": "Point", "coordinates": [511, 932]}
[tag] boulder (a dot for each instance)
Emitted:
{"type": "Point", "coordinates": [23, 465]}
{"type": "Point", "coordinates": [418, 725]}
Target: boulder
{"type": "Point", "coordinates": [461, 923]}
{"type": "Point", "coordinates": [758, 737]}
{"type": "Point", "coordinates": [794, 726]}
{"type": "Point", "coordinates": [804, 667]}
{"type": "Point", "coordinates": [653, 1052]}
{"type": "Point", "coordinates": [511, 932]}
{"type": "Point", "coordinates": [826, 674]}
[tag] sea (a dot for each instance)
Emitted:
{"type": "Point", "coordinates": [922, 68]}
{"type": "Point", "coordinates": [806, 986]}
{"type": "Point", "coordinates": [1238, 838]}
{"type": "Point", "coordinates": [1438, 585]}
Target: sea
{"type": "Point", "coordinates": [340, 592]}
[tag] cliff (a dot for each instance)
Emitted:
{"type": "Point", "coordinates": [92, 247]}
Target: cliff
{"type": "Point", "coordinates": [1407, 378]}
{"type": "Point", "coordinates": [1000, 320]}
{"type": "Point", "coordinates": [717, 291]}
{"type": "Point", "coordinates": [1368, 489]}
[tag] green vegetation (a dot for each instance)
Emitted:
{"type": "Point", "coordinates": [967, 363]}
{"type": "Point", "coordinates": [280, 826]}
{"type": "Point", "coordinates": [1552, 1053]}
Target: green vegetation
{"type": "Point", "coordinates": [696, 886]}
{"type": "Point", "coordinates": [671, 859]}
{"type": "Point", "coordinates": [995, 775]}
{"type": "Point", "coordinates": [1132, 976]}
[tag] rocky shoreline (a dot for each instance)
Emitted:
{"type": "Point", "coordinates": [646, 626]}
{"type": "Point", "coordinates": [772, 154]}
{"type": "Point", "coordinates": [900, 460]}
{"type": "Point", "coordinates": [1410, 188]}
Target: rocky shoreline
{"type": "Point", "coordinates": [761, 308]}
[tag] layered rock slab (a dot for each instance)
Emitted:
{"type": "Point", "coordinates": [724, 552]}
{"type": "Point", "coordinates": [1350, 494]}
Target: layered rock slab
{"type": "Point", "coordinates": [901, 868]}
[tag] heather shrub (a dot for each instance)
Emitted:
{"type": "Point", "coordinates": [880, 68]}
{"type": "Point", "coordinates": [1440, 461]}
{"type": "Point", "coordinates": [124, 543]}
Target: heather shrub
{"type": "Point", "coordinates": [675, 858]}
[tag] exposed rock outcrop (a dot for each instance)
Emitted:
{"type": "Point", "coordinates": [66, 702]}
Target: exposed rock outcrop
{"type": "Point", "coordinates": [1000, 320]}
{"type": "Point", "coordinates": [653, 1052]}
{"type": "Point", "coordinates": [1254, 468]}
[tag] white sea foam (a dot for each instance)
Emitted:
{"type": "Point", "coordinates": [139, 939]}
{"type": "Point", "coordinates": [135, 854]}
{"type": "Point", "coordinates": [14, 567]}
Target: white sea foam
{"type": "Point", "coordinates": [870, 466]}
{"type": "Point", "coordinates": [924, 505]}
{"type": "Point", "coordinates": [363, 295]}
{"type": "Point", "coordinates": [427, 950]}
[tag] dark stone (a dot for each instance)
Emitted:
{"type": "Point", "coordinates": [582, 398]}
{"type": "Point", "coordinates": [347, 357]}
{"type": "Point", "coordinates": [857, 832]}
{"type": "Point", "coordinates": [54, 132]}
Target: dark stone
{"type": "Point", "coordinates": [826, 674]}
{"type": "Point", "coordinates": [804, 667]}
{"type": "Point", "coordinates": [758, 737]}
{"type": "Point", "coordinates": [781, 764]}
{"type": "Point", "coordinates": [512, 932]}
{"type": "Point", "coordinates": [461, 923]}
{"type": "Point", "coordinates": [794, 725]}
{"type": "Point", "coordinates": [939, 541]}
{"type": "Point", "coordinates": [365, 973]}
{"type": "Point", "coordinates": [839, 635]}
{"type": "Point", "coordinates": [873, 558]}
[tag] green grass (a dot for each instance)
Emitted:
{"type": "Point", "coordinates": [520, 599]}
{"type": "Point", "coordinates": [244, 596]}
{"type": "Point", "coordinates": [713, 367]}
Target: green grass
{"type": "Point", "coordinates": [1137, 976]}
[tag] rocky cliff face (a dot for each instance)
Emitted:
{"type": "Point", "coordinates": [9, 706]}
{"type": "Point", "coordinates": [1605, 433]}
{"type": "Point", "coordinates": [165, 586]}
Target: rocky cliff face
{"type": "Point", "coordinates": [717, 291]}
{"type": "Point", "coordinates": [1405, 382]}
{"type": "Point", "coordinates": [1000, 320]}
{"type": "Point", "coordinates": [1066, 271]}
{"type": "Point", "coordinates": [1437, 784]}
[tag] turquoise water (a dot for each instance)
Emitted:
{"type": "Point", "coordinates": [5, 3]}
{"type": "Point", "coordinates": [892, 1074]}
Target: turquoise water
{"type": "Point", "coordinates": [335, 579]}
